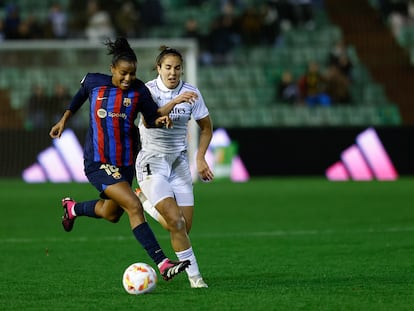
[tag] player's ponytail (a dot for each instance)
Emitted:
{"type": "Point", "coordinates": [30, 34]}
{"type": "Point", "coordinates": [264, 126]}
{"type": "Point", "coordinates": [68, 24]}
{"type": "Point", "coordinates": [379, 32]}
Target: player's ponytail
{"type": "Point", "coordinates": [120, 50]}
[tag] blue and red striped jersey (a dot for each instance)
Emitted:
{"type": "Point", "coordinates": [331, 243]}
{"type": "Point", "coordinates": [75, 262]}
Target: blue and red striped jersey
{"type": "Point", "coordinates": [112, 137]}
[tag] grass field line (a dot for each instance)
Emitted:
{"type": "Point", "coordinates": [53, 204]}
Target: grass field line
{"type": "Point", "coordinates": [220, 235]}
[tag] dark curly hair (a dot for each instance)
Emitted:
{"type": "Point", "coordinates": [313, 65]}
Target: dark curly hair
{"type": "Point", "coordinates": [120, 50]}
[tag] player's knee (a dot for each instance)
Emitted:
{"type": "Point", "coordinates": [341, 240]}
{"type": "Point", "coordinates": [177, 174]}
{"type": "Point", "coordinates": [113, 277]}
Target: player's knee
{"type": "Point", "coordinates": [114, 218]}
{"type": "Point", "coordinates": [134, 209]}
{"type": "Point", "coordinates": [177, 224]}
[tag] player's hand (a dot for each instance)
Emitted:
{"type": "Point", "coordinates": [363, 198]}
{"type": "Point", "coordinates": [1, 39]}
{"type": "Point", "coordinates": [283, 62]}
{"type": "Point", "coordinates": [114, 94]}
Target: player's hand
{"type": "Point", "coordinates": [164, 121]}
{"type": "Point", "coordinates": [186, 97]}
{"type": "Point", "coordinates": [204, 170]}
{"type": "Point", "coordinates": [56, 130]}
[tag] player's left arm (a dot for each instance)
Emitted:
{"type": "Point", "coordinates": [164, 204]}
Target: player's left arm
{"type": "Point", "coordinates": [206, 134]}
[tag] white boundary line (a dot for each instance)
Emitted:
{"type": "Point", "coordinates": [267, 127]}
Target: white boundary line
{"type": "Point", "coordinates": [15, 240]}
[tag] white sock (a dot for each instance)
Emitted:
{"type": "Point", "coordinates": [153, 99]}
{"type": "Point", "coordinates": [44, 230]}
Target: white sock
{"type": "Point", "coordinates": [188, 254]}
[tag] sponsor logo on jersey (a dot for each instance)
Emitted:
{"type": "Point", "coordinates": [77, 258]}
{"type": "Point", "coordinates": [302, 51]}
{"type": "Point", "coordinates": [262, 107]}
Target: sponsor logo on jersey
{"type": "Point", "coordinates": [117, 115]}
{"type": "Point", "coordinates": [178, 112]}
{"type": "Point", "coordinates": [102, 113]}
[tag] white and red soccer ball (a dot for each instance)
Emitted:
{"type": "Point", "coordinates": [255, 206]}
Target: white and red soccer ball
{"type": "Point", "coordinates": [139, 278]}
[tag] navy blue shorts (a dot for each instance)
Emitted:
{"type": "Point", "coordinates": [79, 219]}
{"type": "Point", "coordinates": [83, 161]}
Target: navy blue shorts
{"type": "Point", "coordinates": [102, 175]}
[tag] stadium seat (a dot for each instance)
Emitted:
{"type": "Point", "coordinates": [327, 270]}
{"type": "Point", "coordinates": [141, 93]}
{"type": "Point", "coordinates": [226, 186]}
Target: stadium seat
{"type": "Point", "coordinates": [248, 82]}
{"type": "Point", "coordinates": [336, 116]}
{"type": "Point", "coordinates": [374, 94]}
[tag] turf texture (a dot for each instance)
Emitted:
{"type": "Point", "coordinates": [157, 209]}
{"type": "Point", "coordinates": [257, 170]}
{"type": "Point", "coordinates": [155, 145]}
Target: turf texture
{"type": "Point", "coordinates": [267, 244]}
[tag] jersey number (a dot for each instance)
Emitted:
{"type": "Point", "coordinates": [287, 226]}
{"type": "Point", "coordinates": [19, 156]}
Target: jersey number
{"type": "Point", "coordinates": [109, 169]}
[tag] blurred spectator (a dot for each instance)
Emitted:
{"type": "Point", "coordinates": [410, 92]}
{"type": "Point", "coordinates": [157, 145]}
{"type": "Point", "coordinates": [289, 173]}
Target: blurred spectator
{"type": "Point", "coordinates": [251, 26]}
{"type": "Point", "coordinates": [37, 108]}
{"type": "Point", "coordinates": [225, 6]}
{"type": "Point", "coordinates": [196, 2]}
{"type": "Point", "coordinates": [303, 13]}
{"type": "Point", "coordinates": [99, 25]}
{"type": "Point", "coordinates": [399, 15]}
{"type": "Point", "coordinates": [152, 14]}
{"type": "Point", "coordinates": [312, 86]}
{"type": "Point", "coordinates": [390, 7]}
{"type": "Point", "coordinates": [191, 30]}
{"type": "Point", "coordinates": [270, 23]}
{"type": "Point", "coordinates": [337, 85]}
{"type": "Point", "coordinates": [285, 13]}
{"type": "Point", "coordinates": [78, 17]}
{"type": "Point", "coordinates": [287, 89]}
{"type": "Point", "coordinates": [12, 22]}
{"type": "Point", "coordinates": [339, 57]}
{"type": "Point", "coordinates": [2, 35]}
{"type": "Point", "coordinates": [127, 20]}
{"type": "Point", "coordinates": [31, 28]}
{"type": "Point", "coordinates": [58, 21]}
{"type": "Point", "coordinates": [222, 39]}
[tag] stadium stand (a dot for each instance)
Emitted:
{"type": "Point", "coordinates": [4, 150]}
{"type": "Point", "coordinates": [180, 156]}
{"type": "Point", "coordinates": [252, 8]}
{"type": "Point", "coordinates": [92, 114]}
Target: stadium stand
{"type": "Point", "coordinates": [241, 92]}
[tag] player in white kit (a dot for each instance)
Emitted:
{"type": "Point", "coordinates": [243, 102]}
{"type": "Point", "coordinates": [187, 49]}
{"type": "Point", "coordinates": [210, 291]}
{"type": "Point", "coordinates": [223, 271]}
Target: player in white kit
{"type": "Point", "coordinates": [162, 166]}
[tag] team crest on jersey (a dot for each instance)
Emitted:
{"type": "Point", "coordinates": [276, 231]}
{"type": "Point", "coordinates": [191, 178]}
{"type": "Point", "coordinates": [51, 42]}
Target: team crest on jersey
{"type": "Point", "coordinates": [116, 175]}
{"type": "Point", "coordinates": [111, 170]}
{"type": "Point", "coordinates": [127, 102]}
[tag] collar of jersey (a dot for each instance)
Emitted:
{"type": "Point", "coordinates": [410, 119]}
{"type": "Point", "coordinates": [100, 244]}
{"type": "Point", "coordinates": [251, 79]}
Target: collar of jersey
{"type": "Point", "coordinates": [163, 88]}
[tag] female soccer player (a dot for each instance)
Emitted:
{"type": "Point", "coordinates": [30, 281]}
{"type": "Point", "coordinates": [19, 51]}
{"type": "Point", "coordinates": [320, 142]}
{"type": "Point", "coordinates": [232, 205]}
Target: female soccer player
{"type": "Point", "coordinates": [162, 166]}
{"type": "Point", "coordinates": [111, 146]}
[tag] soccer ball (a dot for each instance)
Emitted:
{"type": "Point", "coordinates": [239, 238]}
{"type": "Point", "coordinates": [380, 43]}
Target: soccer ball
{"type": "Point", "coordinates": [139, 278]}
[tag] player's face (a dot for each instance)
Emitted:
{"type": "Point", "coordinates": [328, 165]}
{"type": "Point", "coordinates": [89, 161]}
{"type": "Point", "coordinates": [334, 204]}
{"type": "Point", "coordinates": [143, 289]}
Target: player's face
{"type": "Point", "coordinates": [123, 74]}
{"type": "Point", "coordinates": [170, 71]}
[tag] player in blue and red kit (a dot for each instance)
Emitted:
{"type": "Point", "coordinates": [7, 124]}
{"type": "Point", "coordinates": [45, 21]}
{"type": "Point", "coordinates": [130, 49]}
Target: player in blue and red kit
{"type": "Point", "coordinates": [111, 147]}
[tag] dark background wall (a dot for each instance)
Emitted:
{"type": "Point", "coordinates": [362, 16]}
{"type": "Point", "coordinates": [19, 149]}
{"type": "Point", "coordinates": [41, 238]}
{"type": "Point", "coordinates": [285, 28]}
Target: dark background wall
{"type": "Point", "coordinates": [310, 151]}
{"type": "Point", "coordinates": [264, 151]}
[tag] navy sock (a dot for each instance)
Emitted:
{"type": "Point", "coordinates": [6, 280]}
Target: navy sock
{"type": "Point", "coordinates": [86, 209]}
{"type": "Point", "coordinates": [146, 238]}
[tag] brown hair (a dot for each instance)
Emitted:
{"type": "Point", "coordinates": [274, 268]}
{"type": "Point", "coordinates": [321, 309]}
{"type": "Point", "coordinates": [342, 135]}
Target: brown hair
{"type": "Point", "coordinates": [165, 50]}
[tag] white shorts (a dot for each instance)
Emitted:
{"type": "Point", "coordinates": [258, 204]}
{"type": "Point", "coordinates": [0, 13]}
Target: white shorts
{"type": "Point", "coordinates": [163, 176]}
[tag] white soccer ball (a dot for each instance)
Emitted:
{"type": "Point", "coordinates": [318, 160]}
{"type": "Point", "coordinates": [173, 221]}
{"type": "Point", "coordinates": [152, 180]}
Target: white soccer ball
{"type": "Point", "coordinates": [139, 278]}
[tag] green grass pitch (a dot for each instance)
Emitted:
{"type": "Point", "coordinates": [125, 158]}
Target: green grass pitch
{"type": "Point", "coordinates": [268, 244]}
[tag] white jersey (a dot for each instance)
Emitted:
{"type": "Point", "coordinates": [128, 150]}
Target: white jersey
{"type": "Point", "coordinates": [173, 140]}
